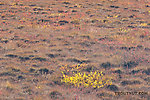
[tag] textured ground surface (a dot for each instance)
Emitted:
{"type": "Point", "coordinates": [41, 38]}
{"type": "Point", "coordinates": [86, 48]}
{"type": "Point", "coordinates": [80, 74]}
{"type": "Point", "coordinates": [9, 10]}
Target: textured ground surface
{"type": "Point", "coordinates": [39, 36]}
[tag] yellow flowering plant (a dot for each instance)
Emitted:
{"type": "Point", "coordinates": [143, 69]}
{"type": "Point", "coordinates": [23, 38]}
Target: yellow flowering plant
{"type": "Point", "coordinates": [95, 79]}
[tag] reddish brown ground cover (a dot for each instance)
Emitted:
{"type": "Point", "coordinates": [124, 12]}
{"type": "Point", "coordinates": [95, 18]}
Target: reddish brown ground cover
{"type": "Point", "coordinates": [38, 37]}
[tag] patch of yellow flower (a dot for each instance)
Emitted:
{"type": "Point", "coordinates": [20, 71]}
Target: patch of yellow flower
{"type": "Point", "coordinates": [56, 14]}
{"type": "Point", "coordinates": [124, 30]}
{"type": "Point", "coordinates": [79, 6]}
{"type": "Point", "coordinates": [38, 87]}
{"type": "Point", "coordinates": [143, 24]}
{"type": "Point", "coordinates": [115, 16]}
{"type": "Point", "coordinates": [95, 79]}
